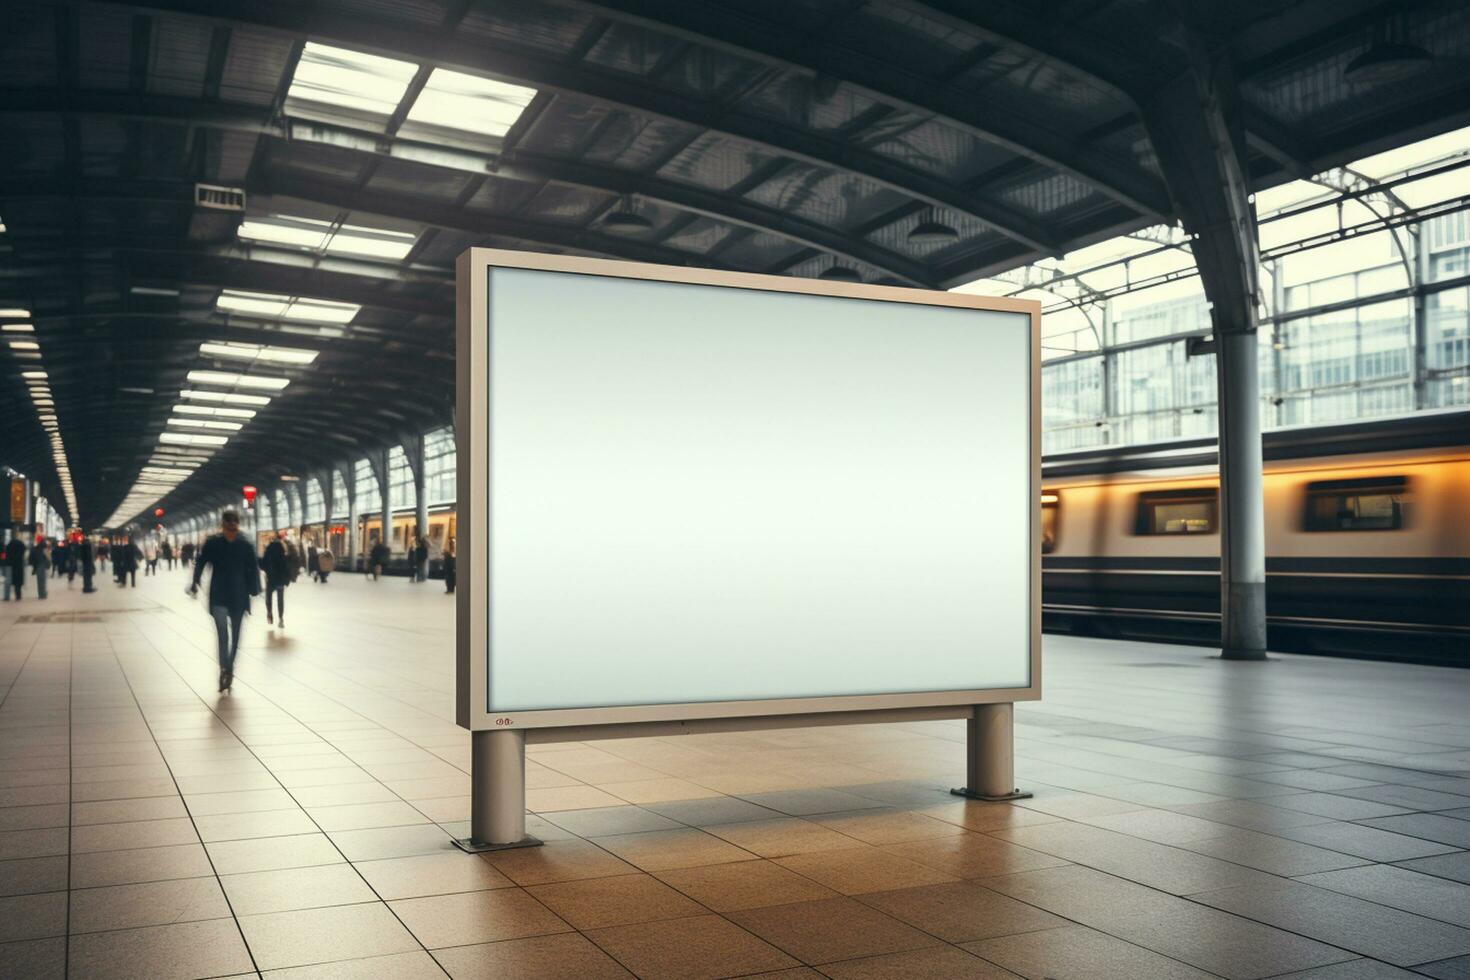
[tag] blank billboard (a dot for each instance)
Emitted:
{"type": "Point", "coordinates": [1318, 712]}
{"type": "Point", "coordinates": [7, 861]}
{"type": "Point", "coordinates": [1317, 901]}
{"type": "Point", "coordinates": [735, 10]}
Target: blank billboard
{"type": "Point", "coordinates": [698, 494]}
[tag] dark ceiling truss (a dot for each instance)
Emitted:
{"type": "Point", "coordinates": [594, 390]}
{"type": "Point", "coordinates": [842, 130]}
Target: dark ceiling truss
{"type": "Point", "coordinates": [523, 66]}
{"type": "Point", "coordinates": [716, 26]}
{"type": "Point", "coordinates": [614, 181]}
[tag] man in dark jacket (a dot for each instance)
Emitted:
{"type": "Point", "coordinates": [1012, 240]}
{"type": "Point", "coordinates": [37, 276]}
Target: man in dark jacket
{"type": "Point", "coordinates": [15, 564]}
{"type": "Point", "coordinates": [87, 559]}
{"type": "Point", "coordinates": [421, 559]}
{"type": "Point", "coordinates": [236, 577]}
{"type": "Point", "coordinates": [277, 576]}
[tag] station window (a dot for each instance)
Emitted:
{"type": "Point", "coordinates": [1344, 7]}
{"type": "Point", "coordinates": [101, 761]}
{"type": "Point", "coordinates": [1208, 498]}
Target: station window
{"type": "Point", "coordinates": [1051, 505]}
{"type": "Point", "coordinates": [1184, 511]}
{"type": "Point", "coordinates": [1365, 504]}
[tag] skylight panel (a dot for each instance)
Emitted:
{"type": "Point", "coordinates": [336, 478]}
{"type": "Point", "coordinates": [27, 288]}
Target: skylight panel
{"type": "Point", "coordinates": [229, 398]}
{"type": "Point", "coordinates": [329, 238]}
{"type": "Point", "coordinates": [185, 423]}
{"type": "Point", "coordinates": [227, 413]}
{"type": "Point", "coordinates": [268, 306]}
{"type": "Point", "coordinates": [227, 380]}
{"type": "Point", "coordinates": [17, 328]}
{"type": "Point", "coordinates": [257, 352]}
{"type": "Point", "coordinates": [191, 439]}
{"type": "Point", "coordinates": [469, 104]}
{"type": "Point", "coordinates": [301, 232]}
{"type": "Point", "coordinates": [14, 313]}
{"type": "Point", "coordinates": [328, 76]}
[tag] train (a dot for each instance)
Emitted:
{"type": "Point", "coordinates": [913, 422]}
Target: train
{"type": "Point", "coordinates": [1367, 540]}
{"type": "Point", "coordinates": [443, 523]}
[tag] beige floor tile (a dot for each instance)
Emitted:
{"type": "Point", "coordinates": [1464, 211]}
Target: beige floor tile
{"type": "Point", "coordinates": [556, 957]}
{"type": "Point", "coordinates": [32, 916]}
{"type": "Point", "coordinates": [661, 790]}
{"type": "Point", "coordinates": [127, 811]}
{"type": "Point", "coordinates": [431, 874]}
{"type": "Point", "coordinates": [295, 888]}
{"type": "Point", "coordinates": [778, 838]}
{"type": "Point", "coordinates": [608, 821]}
{"type": "Point", "coordinates": [417, 965]}
{"type": "Point", "coordinates": [360, 816]}
{"type": "Point", "coordinates": [936, 963]}
{"type": "Point", "coordinates": [888, 826]}
{"type": "Point", "coordinates": [123, 789]}
{"type": "Point", "coordinates": [34, 959]}
{"type": "Point", "coordinates": [745, 885]}
{"type": "Point", "coordinates": [306, 936]}
{"type": "Point", "coordinates": [248, 826]}
{"type": "Point", "coordinates": [961, 912]}
{"type": "Point", "coordinates": [98, 868]}
{"type": "Point", "coordinates": [593, 903]}
{"type": "Point", "coordinates": [974, 856]}
{"type": "Point", "coordinates": [244, 801]}
{"type": "Point", "coordinates": [315, 796]}
{"type": "Point", "coordinates": [448, 809]}
{"type": "Point", "coordinates": [28, 876]}
{"type": "Point", "coordinates": [689, 949]}
{"type": "Point", "coordinates": [569, 798]}
{"type": "Point", "coordinates": [144, 833]}
{"type": "Point", "coordinates": [1077, 951]}
{"type": "Point", "coordinates": [565, 860]}
{"type": "Point", "coordinates": [273, 853]}
{"type": "Point", "coordinates": [179, 951]}
{"type": "Point", "coordinates": [477, 917]}
{"type": "Point", "coordinates": [388, 842]}
{"type": "Point", "coordinates": [153, 903]}
{"type": "Point", "coordinates": [854, 871]}
{"type": "Point", "coordinates": [661, 850]}
{"type": "Point", "coordinates": [831, 929]}
{"type": "Point", "coordinates": [34, 817]}
{"type": "Point", "coordinates": [15, 844]}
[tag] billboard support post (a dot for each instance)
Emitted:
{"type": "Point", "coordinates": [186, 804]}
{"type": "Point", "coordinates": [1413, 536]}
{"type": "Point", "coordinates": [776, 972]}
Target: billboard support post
{"type": "Point", "coordinates": [990, 754]}
{"type": "Point", "coordinates": [497, 793]}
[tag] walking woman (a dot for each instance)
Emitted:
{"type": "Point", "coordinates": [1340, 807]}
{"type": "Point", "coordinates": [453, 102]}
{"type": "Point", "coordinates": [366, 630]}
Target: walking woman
{"type": "Point", "coordinates": [277, 567]}
{"type": "Point", "coordinates": [235, 579]}
{"type": "Point", "coordinates": [451, 566]}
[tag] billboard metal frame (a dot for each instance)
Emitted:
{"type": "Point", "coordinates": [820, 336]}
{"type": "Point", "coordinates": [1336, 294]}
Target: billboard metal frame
{"type": "Point", "coordinates": [500, 738]}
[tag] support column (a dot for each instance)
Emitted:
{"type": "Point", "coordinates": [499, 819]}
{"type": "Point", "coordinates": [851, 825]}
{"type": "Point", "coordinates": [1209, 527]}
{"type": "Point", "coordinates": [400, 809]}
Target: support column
{"type": "Point", "coordinates": [990, 754]}
{"type": "Point", "coordinates": [413, 448]}
{"type": "Point", "coordinates": [349, 481]}
{"type": "Point", "coordinates": [380, 467]}
{"type": "Point", "coordinates": [1196, 127]}
{"type": "Point", "coordinates": [497, 792]}
{"type": "Point", "coordinates": [1420, 326]}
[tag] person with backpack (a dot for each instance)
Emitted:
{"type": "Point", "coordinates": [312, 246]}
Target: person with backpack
{"type": "Point", "coordinates": [276, 564]}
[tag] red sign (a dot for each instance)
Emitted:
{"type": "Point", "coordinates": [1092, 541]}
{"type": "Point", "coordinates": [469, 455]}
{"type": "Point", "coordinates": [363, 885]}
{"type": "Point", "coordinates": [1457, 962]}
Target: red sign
{"type": "Point", "coordinates": [249, 493]}
{"type": "Point", "coordinates": [158, 512]}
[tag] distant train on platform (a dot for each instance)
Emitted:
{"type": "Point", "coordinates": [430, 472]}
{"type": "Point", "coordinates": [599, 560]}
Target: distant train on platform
{"type": "Point", "coordinates": [1367, 540]}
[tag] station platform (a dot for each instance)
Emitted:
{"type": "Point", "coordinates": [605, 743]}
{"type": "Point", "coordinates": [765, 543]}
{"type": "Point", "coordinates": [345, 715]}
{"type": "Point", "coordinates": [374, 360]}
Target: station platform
{"type": "Point", "coordinates": [1304, 818]}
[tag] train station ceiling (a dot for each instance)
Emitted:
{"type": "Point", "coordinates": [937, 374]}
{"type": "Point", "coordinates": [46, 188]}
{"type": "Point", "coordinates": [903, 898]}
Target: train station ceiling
{"type": "Point", "coordinates": [230, 224]}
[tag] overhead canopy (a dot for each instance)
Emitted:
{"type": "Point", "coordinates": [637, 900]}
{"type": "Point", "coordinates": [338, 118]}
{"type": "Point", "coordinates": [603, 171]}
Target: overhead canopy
{"type": "Point", "coordinates": [162, 159]}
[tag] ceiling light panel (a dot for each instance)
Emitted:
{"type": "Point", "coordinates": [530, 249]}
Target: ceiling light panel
{"type": "Point", "coordinates": [328, 237]}
{"type": "Point", "coordinates": [257, 352]}
{"type": "Point", "coordinates": [210, 410]}
{"type": "Point", "coordinates": [228, 398]}
{"type": "Point", "coordinates": [225, 379]}
{"type": "Point", "coordinates": [469, 104]}
{"type": "Point", "coordinates": [269, 306]}
{"type": "Point", "coordinates": [328, 77]}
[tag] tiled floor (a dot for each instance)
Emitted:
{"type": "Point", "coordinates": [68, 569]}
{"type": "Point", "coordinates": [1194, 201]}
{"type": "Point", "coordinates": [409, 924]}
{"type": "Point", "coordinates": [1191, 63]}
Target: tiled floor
{"type": "Point", "coordinates": [1305, 818]}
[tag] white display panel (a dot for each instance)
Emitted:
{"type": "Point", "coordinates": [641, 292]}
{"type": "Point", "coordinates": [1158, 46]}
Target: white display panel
{"type": "Point", "coordinates": [702, 494]}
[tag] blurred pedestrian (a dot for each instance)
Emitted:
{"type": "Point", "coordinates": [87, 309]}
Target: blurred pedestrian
{"type": "Point", "coordinates": [276, 564]}
{"type": "Point", "coordinates": [451, 566]}
{"type": "Point", "coordinates": [234, 580]}
{"type": "Point", "coordinates": [150, 556]}
{"type": "Point", "coordinates": [87, 560]}
{"type": "Point", "coordinates": [167, 552]}
{"type": "Point", "coordinates": [41, 565]}
{"type": "Point", "coordinates": [378, 559]}
{"type": "Point", "coordinates": [15, 564]}
{"type": "Point", "coordinates": [325, 563]}
{"type": "Point", "coordinates": [421, 559]}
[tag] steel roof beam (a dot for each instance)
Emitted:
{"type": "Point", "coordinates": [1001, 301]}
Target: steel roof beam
{"type": "Point", "coordinates": [522, 66]}
{"type": "Point", "coordinates": [749, 37]}
{"type": "Point", "coordinates": [537, 167]}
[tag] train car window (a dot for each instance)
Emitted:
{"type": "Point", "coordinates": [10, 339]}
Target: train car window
{"type": "Point", "coordinates": [1051, 504]}
{"type": "Point", "coordinates": [1364, 504]}
{"type": "Point", "coordinates": [1184, 511]}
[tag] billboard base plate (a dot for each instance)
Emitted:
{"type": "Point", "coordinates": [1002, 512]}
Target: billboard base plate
{"type": "Point", "coordinates": [971, 794]}
{"type": "Point", "coordinates": [476, 847]}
